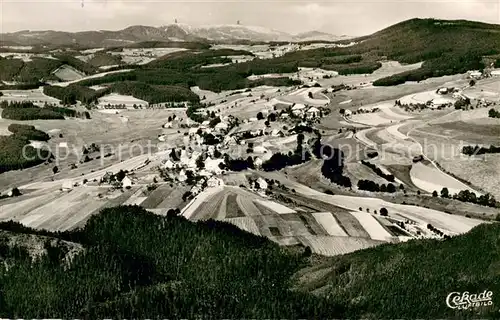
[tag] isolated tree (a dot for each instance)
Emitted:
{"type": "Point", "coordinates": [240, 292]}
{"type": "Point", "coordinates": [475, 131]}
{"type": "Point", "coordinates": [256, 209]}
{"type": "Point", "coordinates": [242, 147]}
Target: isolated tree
{"type": "Point", "coordinates": [435, 194]}
{"type": "Point", "coordinates": [307, 252]}
{"type": "Point", "coordinates": [472, 83]}
{"type": "Point", "coordinates": [310, 95]}
{"type": "Point", "coordinates": [384, 212]}
{"type": "Point", "coordinates": [15, 192]}
{"type": "Point", "coordinates": [120, 175]}
{"type": "Point", "coordinates": [260, 116]}
{"type": "Point", "coordinates": [55, 169]}
{"type": "Point", "coordinates": [391, 188]}
{"type": "Point", "coordinates": [186, 196]}
{"type": "Point", "coordinates": [445, 193]}
{"type": "Point", "coordinates": [172, 213]}
{"type": "Point", "coordinates": [200, 163]}
{"type": "Point", "coordinates": [250, 162]}
{"type": "Point", "coordinates": [342, 111]}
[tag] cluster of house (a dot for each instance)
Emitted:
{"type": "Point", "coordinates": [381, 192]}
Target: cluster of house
{"type": "Point", "coordinates": [189, 161]}
{"type": "Point", "coordinates": [488, 72]}
{"type": "Point", "coordinates": [180, 168]}
{"type": "Point", "coordinates": [300, 110]}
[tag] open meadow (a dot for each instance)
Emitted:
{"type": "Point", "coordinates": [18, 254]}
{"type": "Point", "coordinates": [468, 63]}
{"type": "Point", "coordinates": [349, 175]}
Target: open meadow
{"type": "Point", "coordinates": [126, 139]}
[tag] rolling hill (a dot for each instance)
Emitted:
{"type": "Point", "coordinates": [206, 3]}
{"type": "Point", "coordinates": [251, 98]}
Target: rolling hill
{"type": "Point", "coordinates": [172, 32]}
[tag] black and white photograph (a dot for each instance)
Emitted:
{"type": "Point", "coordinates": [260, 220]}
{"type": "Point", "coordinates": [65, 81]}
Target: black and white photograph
{"type": "Point", "coordinates": [249, 159]}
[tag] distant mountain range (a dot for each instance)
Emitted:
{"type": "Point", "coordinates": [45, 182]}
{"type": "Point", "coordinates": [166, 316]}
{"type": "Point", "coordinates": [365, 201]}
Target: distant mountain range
{"type": "Point", "coordinates": [173, 32]}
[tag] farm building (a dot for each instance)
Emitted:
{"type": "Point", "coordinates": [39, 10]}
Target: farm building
{"type": "Point", "coordinates": [182, 176]}
{"type": "Point", "coordinates": [168, 165]}
{"type": "Point", "coordinates": [230, 141]}
{"type": "Point", "coordinates": [126, 182]}
{"type": "Point", "coordinates": [277, 133]}
{"type": "Point", "coordinates": [67, 185]}
{"type": "Point", "coordinates": [312, 113]}
{"type": "Point", "coordinates": [214, 182]}
{"type": "Point", "coordinates": [439, 102]}
{"type": "Point", "coordinates": [475, 74]}
{"type": "Point", "coordinates": [221, 126]}
{"type": "Point", "coordinates": [193, 131]}
{"type": "Point", "coordinates": [258, 162]}
{"type": "Point", "coordinates": [212, 165]}
{"type": "Point", "coordinates": [442, 90]}
{"type": "Point", "coordinates": [261, 183]}
{"type": "Point", "coordinates": [259, 149]}
{"type": "Point", "coordinates": [298, 109]}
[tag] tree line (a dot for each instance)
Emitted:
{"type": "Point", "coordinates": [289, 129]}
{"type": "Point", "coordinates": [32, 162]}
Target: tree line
{"type": "Point", "coordinates": [24, 111]}
{"type": "Point", "coordinates": [476, 150]}
{"type": "Point", "coordinates": [372, 186]}
{"type": "Point", "coordinates": [468, 196]}
{"type": "Point", "coordinates": [378, 171]}
{"type": "Point", "coordinates": [492, 113]}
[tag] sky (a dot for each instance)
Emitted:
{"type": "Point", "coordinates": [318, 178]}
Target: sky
{"type": "Point", "coordinates": [347, 17]}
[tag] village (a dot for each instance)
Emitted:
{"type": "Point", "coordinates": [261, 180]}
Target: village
{"type": "Point", "coordinates": [212, 148]}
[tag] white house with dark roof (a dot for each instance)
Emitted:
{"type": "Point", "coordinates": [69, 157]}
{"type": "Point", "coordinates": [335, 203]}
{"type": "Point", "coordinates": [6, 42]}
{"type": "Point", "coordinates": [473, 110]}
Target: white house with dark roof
{"type": "Point", "coordinates": [298, 109]}
{"type": "Point", "coordinates": [312, 113]}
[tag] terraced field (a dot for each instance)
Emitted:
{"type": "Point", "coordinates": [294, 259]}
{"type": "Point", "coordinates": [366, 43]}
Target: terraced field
{"type": "Point", "coordinates": [56, 210]}
{"type": "Point", "coordinates": [326, 228]}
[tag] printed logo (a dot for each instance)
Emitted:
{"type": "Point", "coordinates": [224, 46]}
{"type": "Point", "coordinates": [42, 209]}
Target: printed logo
{"type": "Point", "coordinates": [465, 300]}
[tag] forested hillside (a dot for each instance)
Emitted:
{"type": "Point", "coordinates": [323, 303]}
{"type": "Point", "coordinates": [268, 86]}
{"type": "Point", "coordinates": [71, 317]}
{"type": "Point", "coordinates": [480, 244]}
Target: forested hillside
{"type": "Point", "coordinates": [412, 280]}
{"type": "Point", "coordinates": [139, 265]}
{"type": "Point", "coordinates": [447, 47]}
{"type": "Point", "coordinates": [134, 264]}
{"type": "Point", "coordinates": [16, 151]}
